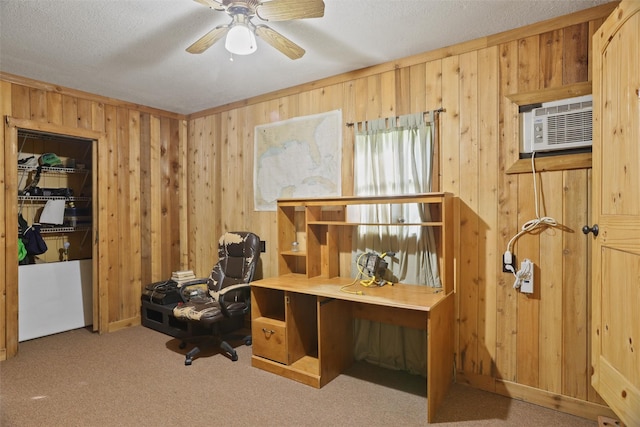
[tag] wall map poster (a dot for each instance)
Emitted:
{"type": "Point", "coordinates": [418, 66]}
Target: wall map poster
{"type": "Point", "coordinates": [298, 158]}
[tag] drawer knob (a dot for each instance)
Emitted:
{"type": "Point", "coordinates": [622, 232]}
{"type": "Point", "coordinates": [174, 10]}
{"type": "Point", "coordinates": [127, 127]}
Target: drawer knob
{"type": "Point", "coordinates": [268, 332]}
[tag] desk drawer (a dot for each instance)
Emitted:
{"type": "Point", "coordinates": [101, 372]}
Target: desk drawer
{"type": "Point", "coordinates": [269, 339]}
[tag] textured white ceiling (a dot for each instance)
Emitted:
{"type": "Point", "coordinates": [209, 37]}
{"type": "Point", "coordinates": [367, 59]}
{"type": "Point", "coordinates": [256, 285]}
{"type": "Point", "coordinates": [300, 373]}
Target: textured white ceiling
{"type": "Point", "coordinates": [134, 50]}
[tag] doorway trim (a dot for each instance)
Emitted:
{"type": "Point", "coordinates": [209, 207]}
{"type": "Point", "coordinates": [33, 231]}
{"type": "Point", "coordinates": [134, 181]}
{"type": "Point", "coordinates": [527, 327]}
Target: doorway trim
{"type": "Point", "coordinates": [98, 139]}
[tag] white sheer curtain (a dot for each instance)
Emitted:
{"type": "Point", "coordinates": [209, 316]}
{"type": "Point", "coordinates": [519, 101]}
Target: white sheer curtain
{"type": "Point", "coordinates": [393, 161]}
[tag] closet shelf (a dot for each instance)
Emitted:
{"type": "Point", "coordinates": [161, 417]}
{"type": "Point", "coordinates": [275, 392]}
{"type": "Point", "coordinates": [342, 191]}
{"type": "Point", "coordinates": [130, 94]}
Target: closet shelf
{"type": "Point", "coordinates": [63, 229]}
{"type": "Point", "coordinates": [44, 199]}
{"type": "Point", "coordinates": [52, 169]}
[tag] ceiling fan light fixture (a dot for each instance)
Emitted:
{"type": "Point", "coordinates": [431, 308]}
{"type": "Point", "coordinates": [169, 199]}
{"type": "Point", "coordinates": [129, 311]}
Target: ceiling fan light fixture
{"type": "Point", "coordinates": [241, 40]}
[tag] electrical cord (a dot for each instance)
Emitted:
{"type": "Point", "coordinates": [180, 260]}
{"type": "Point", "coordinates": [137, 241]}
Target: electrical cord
{"type": "Point", "coordinates": [358, 276]}
{"type": "Point", "coordinates": [522, 274]}
{"type": "Point", "coordinates": [531, 224]}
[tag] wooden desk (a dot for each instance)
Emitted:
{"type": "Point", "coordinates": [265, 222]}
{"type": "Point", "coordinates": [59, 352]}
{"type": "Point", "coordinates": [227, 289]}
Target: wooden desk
{"type": "Point", "coordinates": [302, 327]}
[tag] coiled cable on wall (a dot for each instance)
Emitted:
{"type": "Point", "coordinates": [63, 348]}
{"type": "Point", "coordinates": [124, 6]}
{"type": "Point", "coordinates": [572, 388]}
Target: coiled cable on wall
{"type": "Point", "coordinates": [533, 223]}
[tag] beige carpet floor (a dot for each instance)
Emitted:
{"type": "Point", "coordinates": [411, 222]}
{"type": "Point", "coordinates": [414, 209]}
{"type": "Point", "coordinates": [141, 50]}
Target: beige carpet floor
{"type": "Point", "coordinates": [137, 377]}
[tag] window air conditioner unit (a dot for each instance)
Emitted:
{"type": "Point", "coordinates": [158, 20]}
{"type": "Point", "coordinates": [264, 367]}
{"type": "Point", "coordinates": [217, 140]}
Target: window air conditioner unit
{"type": "Point", "coordinates": [558, 125]}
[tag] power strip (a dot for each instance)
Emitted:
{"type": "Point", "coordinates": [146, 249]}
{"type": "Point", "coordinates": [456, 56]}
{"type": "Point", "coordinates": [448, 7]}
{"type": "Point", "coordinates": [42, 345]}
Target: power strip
{"type": "Point", "coordinates": [525, 276]}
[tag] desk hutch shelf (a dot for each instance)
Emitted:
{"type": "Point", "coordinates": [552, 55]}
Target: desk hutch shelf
{"type": "Point", "coordinates": [302, 320]}
{"type": "Point", "coordinates": [318, 226]}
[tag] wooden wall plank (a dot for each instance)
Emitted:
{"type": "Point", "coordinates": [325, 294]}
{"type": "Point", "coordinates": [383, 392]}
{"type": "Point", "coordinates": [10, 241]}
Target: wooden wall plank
{"type": "Point", "coordinates": [133, 175]}
{"type": "Point", "coordinates": [506, 330]}
{"type": "Point", "coordinates": [449, 160]}
{"type": "Point", "coordinates": [450, 150]}
{"type": "Point", "coordinates": [97, 116]}
{"type": "Point", "coordinates": [387, 95]}
{"type": "Point", "coordinates": [173, 209]}
{"type": "Point", "coordinates": [528, 323]}
{"type": "Point", "coordinates": [489, 258]}
{"type": "Point", "coordinates": [20, 102]}
{"type": "Point", "coordinates": [433, 102]}
{"type": "Point", "coordinates": [576, 53]}
{"type": "Point", "coordinates": [54, 108]}
{"type": "Point", "coordinates": [575, 367]}
{"type": "Point", "coordinates": [155, 198]}
{"type": "Point", "coordinates": [194, 149]}
{"type": "Point", "coordinates": [100, 273]}
{"type": "Point", "coordinates": [373, 96]}
{"type": "Point", "coordinates": [123, 220]}
{"type": "Point", "coordinates": [8, 267]}
{"type": "Point", "coordinates": [228, 168]}
{"type": "Point", "coordinates": [403, 90]}
{"type": "Point", "coordinates": [433, 87]}
{"type": "Point", "coordinates": [527, 341]}
{"type": "Point", "coordinates": [69, 111]}
{"type": "Point", "coordinates": [245, 172]}
{"type": "Point", "coordinates": [550, 271]}
{"type": "Point", "coordinates": [528, 64]}
{"type": "Point", "coordinates": [417, 93]}
{"type": "Point", "coordinates": [594, 24]}
{"type": "Point", "coordinates": [593, 396]}
{"type": "Point", "coordinates": [109, 175]}
{"type": "Point", "coordinates": [84, 113]}
{"type": "Point", "coordinates": [38, 104]}
{"type": "Point", "coordinates": [183, 205]}
{"type": "Point", "coordinates": [145, 198]}
{"type": "Point", "coordinates": [165, 242]}
{"type": "Point", "coordinates": [551, 64]}
{"type": "Point", "coordinates": [468, 283]}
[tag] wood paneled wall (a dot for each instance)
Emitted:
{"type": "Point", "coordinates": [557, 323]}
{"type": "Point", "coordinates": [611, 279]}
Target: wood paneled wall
{"type": "Point", "coordinates": [140, 173]}
{"type": "Point", "coordinates": [533, 347]}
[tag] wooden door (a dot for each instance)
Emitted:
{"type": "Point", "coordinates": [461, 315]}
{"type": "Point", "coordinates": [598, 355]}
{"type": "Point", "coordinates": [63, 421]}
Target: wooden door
{"type": "Point", "coordinates": [616, 211]}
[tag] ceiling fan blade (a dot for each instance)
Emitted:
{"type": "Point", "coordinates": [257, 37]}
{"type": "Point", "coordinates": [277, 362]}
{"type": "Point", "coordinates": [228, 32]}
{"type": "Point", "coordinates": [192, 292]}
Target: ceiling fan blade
{"type": "Point", "coordinates": [280, 42]}
{"type": "Point", "coordinates": [285, 10]}
{"type": "Point", "coordinates": [213, 4]}
{"type": "Point", "coordinates": [205, 42]}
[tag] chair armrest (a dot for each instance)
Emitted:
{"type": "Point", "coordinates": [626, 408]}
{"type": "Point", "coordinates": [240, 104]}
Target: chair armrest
{"type": "Point", "coordinates": [245, 288]}
{"type": "Point", "coordinates": [234, 287]}
{"type": "Point", "coordinates": [193, 282]}
{"type": "Point", "coordinates": [187, 295]}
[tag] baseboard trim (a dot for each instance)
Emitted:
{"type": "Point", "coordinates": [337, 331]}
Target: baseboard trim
{"type": "Point", "coordinates": [558, 402]}
{"type": "Point", "coordinates": [122, 324]}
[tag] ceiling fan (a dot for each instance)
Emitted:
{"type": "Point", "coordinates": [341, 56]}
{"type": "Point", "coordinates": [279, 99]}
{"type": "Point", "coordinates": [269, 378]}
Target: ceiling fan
{"type": "Point", "coordinates": [241, 31]}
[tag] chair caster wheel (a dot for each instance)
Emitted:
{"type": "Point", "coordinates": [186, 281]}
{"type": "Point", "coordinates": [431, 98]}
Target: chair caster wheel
{"type": "Point", "coordinates": [234, 357]}
{"type": "Point", "coordinates": [182, 345]}
{"type": "Point", "coordinates": [188, 358]}
{"type": "Point", "coordinates": [248, 341]}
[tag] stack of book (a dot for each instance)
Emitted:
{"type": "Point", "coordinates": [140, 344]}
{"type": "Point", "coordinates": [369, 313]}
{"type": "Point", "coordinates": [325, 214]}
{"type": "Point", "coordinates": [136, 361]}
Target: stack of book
{"type": "Point", "coordinates": [182, 276]}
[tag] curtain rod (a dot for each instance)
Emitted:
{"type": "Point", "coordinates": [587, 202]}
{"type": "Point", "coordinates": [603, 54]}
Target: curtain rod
{"type": "Point", "coordinates": [439, 110]}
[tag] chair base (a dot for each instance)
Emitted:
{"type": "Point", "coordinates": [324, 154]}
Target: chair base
{"type": "Point", "coordinates": [226, 348]}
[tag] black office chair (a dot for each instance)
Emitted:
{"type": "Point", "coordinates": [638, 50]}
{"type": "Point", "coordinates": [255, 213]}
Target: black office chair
{"type": "Point", "coordinates": [220, 302]}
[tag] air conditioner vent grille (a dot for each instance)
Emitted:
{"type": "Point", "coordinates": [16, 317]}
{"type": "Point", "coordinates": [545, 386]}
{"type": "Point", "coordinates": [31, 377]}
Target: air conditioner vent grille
{"type": "Point", "coordinates": [557, 109]}
{"type": "Point", "coordinates": [569, 128]}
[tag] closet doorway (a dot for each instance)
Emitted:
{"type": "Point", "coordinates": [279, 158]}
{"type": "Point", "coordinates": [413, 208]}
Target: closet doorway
{"type": "Point", "coordinates": [56, 166]}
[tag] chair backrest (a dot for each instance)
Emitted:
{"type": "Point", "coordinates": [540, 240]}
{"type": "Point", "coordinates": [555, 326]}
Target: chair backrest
{"type": "Point", "coordinates": [238, 254]}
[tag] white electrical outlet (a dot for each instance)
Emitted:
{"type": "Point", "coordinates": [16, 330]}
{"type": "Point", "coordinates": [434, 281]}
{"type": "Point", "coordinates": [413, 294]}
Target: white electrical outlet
{"type": "Point", "coordinates": [526, 274]}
